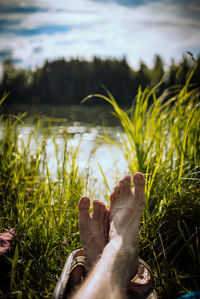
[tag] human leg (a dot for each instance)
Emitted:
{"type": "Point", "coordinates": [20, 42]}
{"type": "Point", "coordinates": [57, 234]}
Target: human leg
{"type": "Point", "coordinates": [119, 261]}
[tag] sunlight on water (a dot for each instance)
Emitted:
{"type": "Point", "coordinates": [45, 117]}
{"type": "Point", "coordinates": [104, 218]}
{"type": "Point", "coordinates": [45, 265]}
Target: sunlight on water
{"type": "Point", "coordinates": [109, 157]}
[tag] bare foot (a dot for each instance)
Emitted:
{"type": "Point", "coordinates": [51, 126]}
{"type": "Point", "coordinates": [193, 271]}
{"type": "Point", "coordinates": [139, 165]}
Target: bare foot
{"type": "Point", "coordinates": [126, 209]}
{"type": "Point", "coordinates": [93, 229]}
{"type": "Point", "coordinates": [119, 260]}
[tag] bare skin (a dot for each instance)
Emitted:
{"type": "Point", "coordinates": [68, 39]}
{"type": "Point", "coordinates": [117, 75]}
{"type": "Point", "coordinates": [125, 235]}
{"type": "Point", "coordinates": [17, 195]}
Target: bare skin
{"type": "Point", "coordinates": [126, 208]}
{"type": "Point", "coordinates": [119, 260]}
{"type": "Point", "coordinates": [5, 241]}
{"type": "Point", "coordinates": [94, 229]}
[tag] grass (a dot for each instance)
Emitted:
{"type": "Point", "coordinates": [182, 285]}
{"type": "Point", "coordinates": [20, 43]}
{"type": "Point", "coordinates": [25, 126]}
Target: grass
{"type": "Point", "coordinates": [162, 140]}
{"type": "Point", "coordinates": [44, 212]}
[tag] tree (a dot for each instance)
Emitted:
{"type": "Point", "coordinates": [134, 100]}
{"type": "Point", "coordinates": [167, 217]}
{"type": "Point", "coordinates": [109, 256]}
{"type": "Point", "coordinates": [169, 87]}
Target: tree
{"type": "Point", "coordinates": [143, 76]}
{"type": "Point", "coordinates": [157, 71]}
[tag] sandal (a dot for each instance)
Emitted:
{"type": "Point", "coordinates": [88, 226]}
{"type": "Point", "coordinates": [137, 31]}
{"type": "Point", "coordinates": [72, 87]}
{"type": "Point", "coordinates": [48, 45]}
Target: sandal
{"type": "Point", "coordinates": [74, 272]}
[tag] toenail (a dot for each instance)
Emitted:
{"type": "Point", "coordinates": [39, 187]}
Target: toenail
{"type": "Point", "coordinates": [138, 176]}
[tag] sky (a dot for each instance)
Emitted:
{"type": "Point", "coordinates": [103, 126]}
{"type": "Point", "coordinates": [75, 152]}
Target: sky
{"type": "Point", "coordinates": [32, 31]}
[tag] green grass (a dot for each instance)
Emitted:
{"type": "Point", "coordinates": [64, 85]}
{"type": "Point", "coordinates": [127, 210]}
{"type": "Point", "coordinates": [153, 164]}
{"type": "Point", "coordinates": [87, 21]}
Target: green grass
{"type": "Point", "coordinates": [43, 211]}
{"type": "Point", "coordinates": [162, 140]}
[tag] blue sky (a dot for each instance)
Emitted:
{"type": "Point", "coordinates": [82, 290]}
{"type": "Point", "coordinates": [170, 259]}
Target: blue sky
{"type": "Point", "coordinates": [34, 30]}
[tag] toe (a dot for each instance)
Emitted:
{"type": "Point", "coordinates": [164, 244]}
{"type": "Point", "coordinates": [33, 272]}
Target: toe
{"type": "Point", "coordinates": [127, 183]}
{"type": "Point", "coordinates": [116, 191]}
{"type": "Point", "coordinates": [96, 209]}
{"type": "Point", "coordinates": [102, 210]}
{"type": "Point", "coordinates": [121, 186]}
{"type": "Point", "coordinates": [139, 183]}
{"type": "Point", "coordinates": [84, 205]}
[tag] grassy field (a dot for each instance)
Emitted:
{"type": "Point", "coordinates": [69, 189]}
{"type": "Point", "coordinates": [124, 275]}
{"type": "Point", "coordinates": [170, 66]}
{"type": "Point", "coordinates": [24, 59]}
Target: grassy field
{"type": "Point", "coordinates": [43, 211]}
{"type": "Point", "coordinates": [162, 140]}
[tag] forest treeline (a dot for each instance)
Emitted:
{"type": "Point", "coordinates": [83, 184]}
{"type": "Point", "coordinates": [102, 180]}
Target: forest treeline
{"type": "Point", "coordinates": [68, 82]}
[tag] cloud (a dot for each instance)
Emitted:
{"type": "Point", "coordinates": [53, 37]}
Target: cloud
{"type": "Point", "coordinates": [4, 23]}
{"type": "Point", "coordinates": [104, 28]}
{"type": "Point", "coordinates": [16, 60]}
{"type": "Point", "coordinates": [19, 9]}
{"type": "Point", "coordinates": [37, 50]}
{"type": "Point", "coordinates": [129, 3]}
{"type": "Point", "coordinates": [48, 29]}
{"type": "Point", "coordinates": [5, 54]}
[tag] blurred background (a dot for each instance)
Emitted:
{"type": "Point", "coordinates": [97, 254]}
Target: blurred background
{"type": "Point", "coordinates": [34, 31]}
{"type": "Point", "coordinates": [141, 60]}
{"type": "Point", "coordinates": [58, 52]}
{"type": "Point", "coordinates": [55, 53]}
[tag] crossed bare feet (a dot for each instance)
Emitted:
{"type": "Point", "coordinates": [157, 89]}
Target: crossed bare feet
{"type": "Point", "coordinates": [126, 207]}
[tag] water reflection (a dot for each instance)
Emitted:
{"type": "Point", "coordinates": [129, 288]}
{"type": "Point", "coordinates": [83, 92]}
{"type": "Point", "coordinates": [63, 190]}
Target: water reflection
{"type": "Point", "coordinates": [110, 158]}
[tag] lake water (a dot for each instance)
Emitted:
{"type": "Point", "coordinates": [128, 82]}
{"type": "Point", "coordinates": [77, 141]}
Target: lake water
{"type": "Point", "coordinates": [109, 157]}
